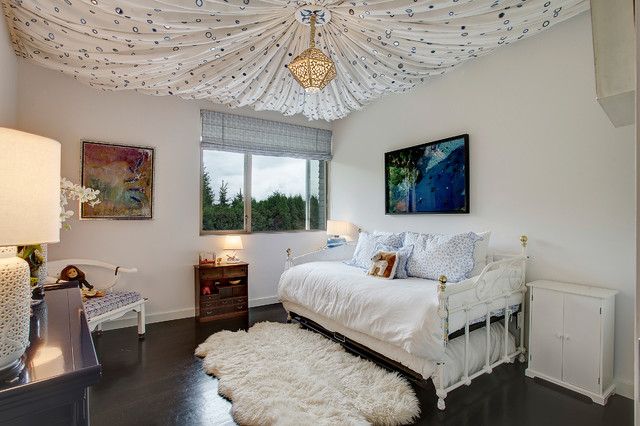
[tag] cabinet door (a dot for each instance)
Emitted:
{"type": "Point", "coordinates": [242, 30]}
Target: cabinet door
{"type": "Point", "coordinates": [582, 330]}
{"type": "Point", "coordinates": [546, 332]}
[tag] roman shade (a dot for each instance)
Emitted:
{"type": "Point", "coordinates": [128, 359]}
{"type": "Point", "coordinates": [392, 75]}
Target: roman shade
{"type": "Point", "coordinates": [236, 133]}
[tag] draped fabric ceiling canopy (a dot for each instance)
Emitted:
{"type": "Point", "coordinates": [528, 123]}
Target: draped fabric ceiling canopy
{"type": "Point", "coordinates": [235, 52]}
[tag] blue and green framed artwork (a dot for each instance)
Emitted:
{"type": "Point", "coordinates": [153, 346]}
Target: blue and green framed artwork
{"type": "Point", "coordinates": [428, 178]}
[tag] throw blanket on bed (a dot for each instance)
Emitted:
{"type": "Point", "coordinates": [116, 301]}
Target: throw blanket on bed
{"type": "Point", "coordinates": [403, 313]}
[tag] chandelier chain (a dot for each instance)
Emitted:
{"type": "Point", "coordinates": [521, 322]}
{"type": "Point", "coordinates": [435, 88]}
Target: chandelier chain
{"type": "Point", "coordinates": [312, 35]}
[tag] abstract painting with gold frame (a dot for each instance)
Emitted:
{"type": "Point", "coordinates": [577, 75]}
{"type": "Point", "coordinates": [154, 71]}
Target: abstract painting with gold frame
{"type": "Point", "coordinates": [124, 176]}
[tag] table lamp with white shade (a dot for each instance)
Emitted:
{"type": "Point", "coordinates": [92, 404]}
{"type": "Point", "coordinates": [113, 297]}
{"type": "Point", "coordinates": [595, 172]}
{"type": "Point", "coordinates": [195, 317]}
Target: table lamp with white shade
{"type": "Point", "coordinates": [233, 243]}
{"type": "Point", "coordinates": [29, 214]}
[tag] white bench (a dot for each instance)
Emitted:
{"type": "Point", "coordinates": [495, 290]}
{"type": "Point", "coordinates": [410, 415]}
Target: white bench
{"type": "Point", "coordinates": [115, 303]}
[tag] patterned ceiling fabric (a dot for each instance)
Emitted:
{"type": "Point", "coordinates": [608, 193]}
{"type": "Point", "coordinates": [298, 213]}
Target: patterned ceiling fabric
{"type": "Point", "coordinates": [235, 52]}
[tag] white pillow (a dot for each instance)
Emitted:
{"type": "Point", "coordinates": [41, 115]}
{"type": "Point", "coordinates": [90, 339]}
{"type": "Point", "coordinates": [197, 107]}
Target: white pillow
{"type": "Point", "coordinates": [434, 255]}
{"type": "Point", "coordinates": [480, 253]}
{"type": "Point", "coordinates": [366, 247]}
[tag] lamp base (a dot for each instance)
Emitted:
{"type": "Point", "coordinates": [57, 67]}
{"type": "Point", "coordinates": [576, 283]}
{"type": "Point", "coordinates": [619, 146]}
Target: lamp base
{"type": "Point", "coordinates": [15, 301]}
{"type": "Point", "coordinates": [12, 372]}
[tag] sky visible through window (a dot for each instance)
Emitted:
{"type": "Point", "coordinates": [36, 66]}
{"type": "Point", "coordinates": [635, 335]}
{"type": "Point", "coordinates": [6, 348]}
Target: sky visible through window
{"type": "Point", "coordinates": [269, 174]}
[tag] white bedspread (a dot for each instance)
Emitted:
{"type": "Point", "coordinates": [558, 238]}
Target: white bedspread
{"type": "Point", "coordinates": [400, 312]}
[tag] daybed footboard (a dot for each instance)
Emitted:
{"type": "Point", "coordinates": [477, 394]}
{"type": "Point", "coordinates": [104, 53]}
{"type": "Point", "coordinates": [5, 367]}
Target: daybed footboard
{"type": "Point", "coordinates": [510, 268]}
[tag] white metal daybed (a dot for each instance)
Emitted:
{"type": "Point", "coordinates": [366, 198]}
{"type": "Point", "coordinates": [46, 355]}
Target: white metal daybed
{"type": "Point", "coordinates": [451, 333]}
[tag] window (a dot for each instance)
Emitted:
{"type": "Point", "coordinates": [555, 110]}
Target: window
{"type": "Point", "coordinates": [222, 191]}
{"type": "Point", "coordinates": [287, 194]}
{"type": "Point", "coordinates": [250, 187]}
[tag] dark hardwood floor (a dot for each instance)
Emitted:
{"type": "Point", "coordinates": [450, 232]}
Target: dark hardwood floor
{"type": "Point", "coordinates": [160, 382]}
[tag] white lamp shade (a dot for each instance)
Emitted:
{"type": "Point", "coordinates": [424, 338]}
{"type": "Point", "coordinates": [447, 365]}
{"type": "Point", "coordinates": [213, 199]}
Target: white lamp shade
{"type": "Point", "coordinates": [338, 227]}
{"type": "Point", "coordinates": [29, 189]}
{"type": "Point", "coordinates": [233, 242]}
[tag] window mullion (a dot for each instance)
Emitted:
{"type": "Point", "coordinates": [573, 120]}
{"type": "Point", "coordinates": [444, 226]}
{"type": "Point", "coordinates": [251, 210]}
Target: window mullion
{"type": "Point", "coordinates": [307, 219]}
{"type": "Point", "coordinates": [247, 193]}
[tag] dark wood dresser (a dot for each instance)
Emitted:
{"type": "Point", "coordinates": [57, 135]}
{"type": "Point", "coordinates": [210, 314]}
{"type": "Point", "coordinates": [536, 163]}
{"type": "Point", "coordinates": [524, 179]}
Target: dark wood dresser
{"type": "Point", "coordinates": [222, 291]}
{"type": "Point", "coordinates": [59, 365]}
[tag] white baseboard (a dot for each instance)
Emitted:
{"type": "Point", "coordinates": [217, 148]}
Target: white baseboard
{"type": "Point", "coordinates": [624, 388]}
{"type": "Point", "coordinates": [130, 320]}
{"type": "Point", "coordinates": [261, 301]}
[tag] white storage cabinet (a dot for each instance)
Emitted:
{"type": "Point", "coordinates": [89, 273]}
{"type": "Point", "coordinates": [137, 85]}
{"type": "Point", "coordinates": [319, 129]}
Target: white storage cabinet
{"type": "Point", "coordinates": [571, 337]}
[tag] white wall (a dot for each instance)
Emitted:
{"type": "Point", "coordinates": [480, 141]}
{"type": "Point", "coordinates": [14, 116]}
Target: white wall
{"type": "Point", "coordinates": [165, 248]}
{"type": "Point", "coordinates": [8, 78]}
{"type": "Point", "coordinates": [545, 161]}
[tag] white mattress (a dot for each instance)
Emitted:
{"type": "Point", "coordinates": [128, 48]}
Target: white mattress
{"type": "Point", "coordinates": [401, 313]}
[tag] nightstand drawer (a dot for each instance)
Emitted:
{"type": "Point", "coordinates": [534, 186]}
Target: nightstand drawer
{"type": "Point", "coordinates": [235, 271]}
{"type": "Point", "coordinates": [214, 303]}
{"type": "Point", "coordinates": [210, 274]}
{"type": "Point", "coordinates": [209, 298]}
{"type": "Point", "coordinates": [221, 310]}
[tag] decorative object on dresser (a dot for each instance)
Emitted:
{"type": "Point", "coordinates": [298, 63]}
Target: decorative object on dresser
{"type": "Point", "coordinates": [571, 337]}
{"type": "Point", "coordinates": [206, 258]}
{"type": "Point", "coordinates": [124, 176]}
{"type": "Point", "coordinates": [74, 192]}
{"type": "Point", "coordinates": [29, 214]}
{"type": "Point", "coordinates": [233, 243]}
{"type": "Point", "coordinates": [428, 178]}
{"type": "Point", "coordinates": [282, 372]}
{"type": "Point", "coordinates": [60, 365]}
{"type": "Point", "coordinates": [113, 304]}
{"type": "Point", "coordinates": [222, 291]}
{"type": "Point", "coordinates": [36, 256]}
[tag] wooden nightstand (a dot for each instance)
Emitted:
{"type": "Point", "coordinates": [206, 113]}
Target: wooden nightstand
{"type": "Point", "coordinates": [222, 291]}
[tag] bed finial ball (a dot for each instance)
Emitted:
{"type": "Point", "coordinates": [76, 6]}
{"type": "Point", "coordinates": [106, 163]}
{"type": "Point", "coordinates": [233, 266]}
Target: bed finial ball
{"type": "Point", "coordinates": [523, 240]}
{"type": "Point", "coordinates": [442, 279]}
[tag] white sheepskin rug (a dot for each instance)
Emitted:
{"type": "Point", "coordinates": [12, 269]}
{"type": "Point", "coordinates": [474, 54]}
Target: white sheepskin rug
{"type": "Point", "coordinates": [280, 374]}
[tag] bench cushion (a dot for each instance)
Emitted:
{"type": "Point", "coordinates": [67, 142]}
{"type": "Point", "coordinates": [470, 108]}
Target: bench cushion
{"type": "Point", "coordinates": [109, 302]}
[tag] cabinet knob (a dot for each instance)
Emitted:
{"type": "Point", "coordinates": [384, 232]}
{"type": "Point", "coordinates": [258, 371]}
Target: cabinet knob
{"type": "Point", "coordinates": [559, 336]}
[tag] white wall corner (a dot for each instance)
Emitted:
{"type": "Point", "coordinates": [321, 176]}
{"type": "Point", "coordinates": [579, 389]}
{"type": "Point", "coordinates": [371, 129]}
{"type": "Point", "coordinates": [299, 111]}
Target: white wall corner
{"type": "Point", "coordinates": [624, 387]}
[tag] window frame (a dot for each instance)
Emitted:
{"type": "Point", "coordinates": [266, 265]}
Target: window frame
{"type": "Point", "coordinates": [247, 199]}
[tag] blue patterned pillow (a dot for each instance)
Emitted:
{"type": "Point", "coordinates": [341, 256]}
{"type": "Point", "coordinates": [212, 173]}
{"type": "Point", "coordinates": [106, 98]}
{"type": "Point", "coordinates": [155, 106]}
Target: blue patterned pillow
{"type": "Point", "coordinates": [402, 255]}
{"type": "Point", "coordinates": [391, 239]}
{"type": "Point", "coordinates": [366, 247]}
{"type": "Point", "coordinates": [434, 255]}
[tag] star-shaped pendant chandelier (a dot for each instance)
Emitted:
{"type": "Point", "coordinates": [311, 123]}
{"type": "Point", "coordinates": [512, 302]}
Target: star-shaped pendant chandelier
{"type": "Point", "coordinates": [312, 69]}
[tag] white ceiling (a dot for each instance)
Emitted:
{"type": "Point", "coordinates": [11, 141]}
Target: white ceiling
{"type": "Point", "coordinates": [235, 52]}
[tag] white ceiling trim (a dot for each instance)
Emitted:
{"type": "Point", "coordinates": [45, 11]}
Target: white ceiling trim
{"type": "Point", "coordinates": [235, 52]}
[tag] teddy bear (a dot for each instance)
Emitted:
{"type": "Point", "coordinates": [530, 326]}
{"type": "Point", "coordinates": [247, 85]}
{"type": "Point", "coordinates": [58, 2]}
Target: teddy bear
{"type": "Point", "coordinates": [383, 265]}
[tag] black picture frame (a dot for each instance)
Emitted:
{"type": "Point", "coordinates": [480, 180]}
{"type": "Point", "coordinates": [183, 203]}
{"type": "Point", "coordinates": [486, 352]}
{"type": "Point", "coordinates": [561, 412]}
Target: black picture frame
{"type": "Point", "coordinates": [413, 152]}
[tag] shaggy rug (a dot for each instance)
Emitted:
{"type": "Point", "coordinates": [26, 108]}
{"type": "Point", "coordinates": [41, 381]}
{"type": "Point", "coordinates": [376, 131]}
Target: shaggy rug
{"type": "Point", "coordinates": [280, 374]}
